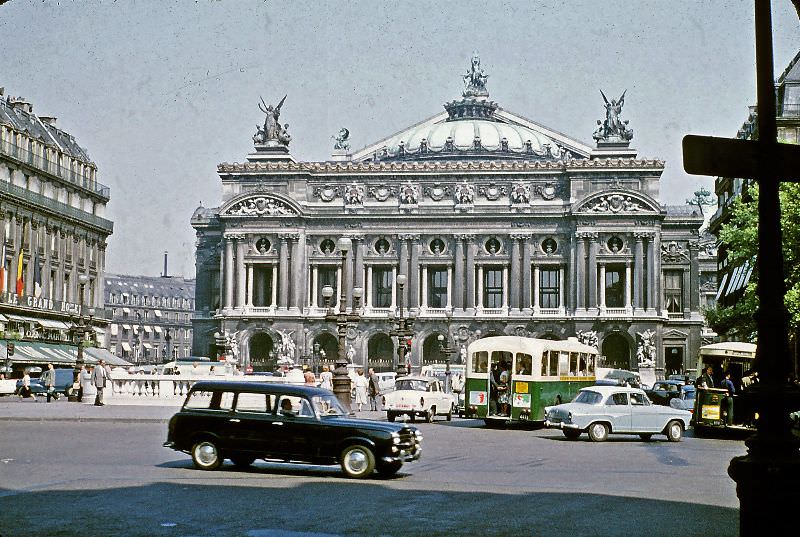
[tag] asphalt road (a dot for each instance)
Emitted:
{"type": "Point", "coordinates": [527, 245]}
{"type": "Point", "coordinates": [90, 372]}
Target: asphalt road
{"type": "Point", "coordinates": [65, 478]}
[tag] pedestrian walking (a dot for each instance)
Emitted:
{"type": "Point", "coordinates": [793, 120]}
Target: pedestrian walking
{"type": "Point", "coordinates": [49, 381]}
{"type": "Point", "coordinates": [99, 379]}
{"type": "Point", "coordinates": [727, 384]}
{"type": "Point", "coordinates": [374, 389]}
{"type": "Point", "coordinates": [310, 379]}
{"type": "Point", "coordinates": [361, 389]}
{"type": "Point", "coordinates": [326, 379]}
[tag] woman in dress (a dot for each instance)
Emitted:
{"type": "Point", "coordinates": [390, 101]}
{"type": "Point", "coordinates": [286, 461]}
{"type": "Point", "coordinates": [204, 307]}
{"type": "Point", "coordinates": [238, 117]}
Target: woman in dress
{"type": "Point", "coordinates": [361, 389]}
{"type": "Point", "coordinates": [326, 379]}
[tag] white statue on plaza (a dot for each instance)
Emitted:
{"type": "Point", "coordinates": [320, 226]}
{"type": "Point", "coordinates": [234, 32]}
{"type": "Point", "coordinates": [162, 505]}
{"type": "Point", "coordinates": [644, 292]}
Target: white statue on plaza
{"type": "Point", "coordinates": [351, 354]}
{"type": "Point", "coordinates": [287, 348]}
{"type": "Point", "coordinates": [233, 345]}
{"type": "Point", "coordinates": [588, 337]}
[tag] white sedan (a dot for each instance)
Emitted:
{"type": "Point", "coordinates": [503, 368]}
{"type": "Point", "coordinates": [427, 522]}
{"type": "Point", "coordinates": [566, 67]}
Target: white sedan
{"type": "Point", "coordinates": [604, 410]}
{"type": "Point", "coordinates": [419, 396]}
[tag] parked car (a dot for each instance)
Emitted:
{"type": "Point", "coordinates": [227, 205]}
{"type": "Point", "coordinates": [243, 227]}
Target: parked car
{"type": "Point", "coordinates": [244, 421]}
{"type": "Point", "coordinates": [63, 385]}
{"type": "Point", "coordinates": [664, 392]}
{"type": "Point", "coordinates": [603, 410]}
{"type": "Point", "coordinates": [419, 396]}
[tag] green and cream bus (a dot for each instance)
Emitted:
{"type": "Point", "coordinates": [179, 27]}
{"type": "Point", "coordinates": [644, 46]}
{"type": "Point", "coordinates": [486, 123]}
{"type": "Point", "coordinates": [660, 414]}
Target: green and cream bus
{"type": "Point", "coordinates": [540, 372]}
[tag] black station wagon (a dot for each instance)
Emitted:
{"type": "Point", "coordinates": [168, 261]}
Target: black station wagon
{"type": "Point", "coordinates": [245, 421]}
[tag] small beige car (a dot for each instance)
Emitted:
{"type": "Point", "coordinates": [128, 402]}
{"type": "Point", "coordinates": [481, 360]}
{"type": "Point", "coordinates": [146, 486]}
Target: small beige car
{"type": "Point", "coordinates": [419, 396]}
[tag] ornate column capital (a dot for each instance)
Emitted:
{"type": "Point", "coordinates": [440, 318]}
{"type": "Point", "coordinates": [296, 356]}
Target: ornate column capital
{"type": "Point", "coordinates": [520, 236]}
{"type": "Point", "coordinates": [289, 236]}
{"type": "Point", "coordinates": [586, 235]}
{"type": "Point", "coordinates": [641, 235]}
{"type": "Point", "coordinates": [464, 236]}
{"type": "Point", "coordinates": [408, 236]}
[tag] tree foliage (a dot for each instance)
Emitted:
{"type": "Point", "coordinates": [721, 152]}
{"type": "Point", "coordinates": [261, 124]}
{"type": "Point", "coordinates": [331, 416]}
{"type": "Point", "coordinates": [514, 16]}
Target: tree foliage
{"type": "Point", "coordinates": [739, 236]}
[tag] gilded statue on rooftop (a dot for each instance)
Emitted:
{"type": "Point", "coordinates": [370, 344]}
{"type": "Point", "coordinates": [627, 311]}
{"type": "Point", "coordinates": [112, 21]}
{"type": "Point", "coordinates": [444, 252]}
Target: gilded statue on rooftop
{"type": "Point", "coordinates": [475, 79]}
{"type": "Point", "coordinates": [613, 129]}
{"type": "Point", "coordinates": [272, 130]}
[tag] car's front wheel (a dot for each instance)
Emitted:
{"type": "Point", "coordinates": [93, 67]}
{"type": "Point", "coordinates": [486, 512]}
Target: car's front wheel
{"type": "Point", "coordinates": [430, 414]}
{"type": "Point", "coordinates": [598, 432]}
{"type": "Point", "coordinates": [206, 455]}
{"type": "Point", "coordinates": [449, 416]}
{"type": "Point", "coordinates": [357, 461]}
{"type": "Point", "coordinates": [674, 431]}
{"type": "Point", "coordinates": [387, 469]}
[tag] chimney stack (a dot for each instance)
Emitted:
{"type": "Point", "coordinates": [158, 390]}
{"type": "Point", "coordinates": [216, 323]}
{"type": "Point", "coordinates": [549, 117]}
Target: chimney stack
{"type": "Point", "coordinates": [166, 274]}
{"type": "Point", "coordinates": [48, 120]}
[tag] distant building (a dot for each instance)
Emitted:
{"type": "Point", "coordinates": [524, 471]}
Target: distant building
{"type": "Point", "coordinates": [54, 234]}
{"type": "Point", "coordinates": [151, 317]}
{"type": "Point", "coordinates": [733, 279]}
{"type": "Point", "coordinates": [500, 225]}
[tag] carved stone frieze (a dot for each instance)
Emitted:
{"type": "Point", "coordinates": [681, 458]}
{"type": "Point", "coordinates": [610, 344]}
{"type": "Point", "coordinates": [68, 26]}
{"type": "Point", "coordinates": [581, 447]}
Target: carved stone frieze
{"type": "Point", "coordinates": [260, 206]}
{"type": "Point", "coordinates": [464, 193]}
{"type": "Point", "coordinates": [382, 192]}
{"type": "Point", "coordinates": [586, 235]}
{"type": "Point", "coordinates": [614, 203]}
{"type": "Point", "coordinates": [408, 236]}
{"type": "Point", "coordinates": [492, 191]}
{"type": "Point", "coordinates": [437, 191]}
{"type": "Point", "coordinates": [548, 191]}
{"type": "Point", "coordinates": [464, 236]}
{"type": "Point", "coordinates": [408, 194]}
{"type": "Point", "coordinates": [520, 193]}
{"type": "Point", "coordinates": [354, 194]}
{"type": "Point", "coordinates": [328, 192]}
{"type": "Point", "coordinates": [674, 252]}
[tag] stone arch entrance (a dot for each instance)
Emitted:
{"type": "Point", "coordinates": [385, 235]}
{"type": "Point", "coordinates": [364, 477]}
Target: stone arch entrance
{"type": "Point", "coordinates": [380, 352]}
{"type": "Point", "coordinates": [328, 349]}
{"type": "Point", "coordinates": [431, 354]}
{"type": "Point", "coordinates": [617, 352]}
{"type": "Point", "coordinates": [261, 355]}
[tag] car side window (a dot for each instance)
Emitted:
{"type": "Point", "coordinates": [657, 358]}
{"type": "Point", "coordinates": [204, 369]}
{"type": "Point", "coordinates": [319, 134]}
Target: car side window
{"type": "Point", "coordinates": [199, 400]}
{"type": "Point", "coordinates": [618, 399]}
{"type": "Point", "coordinates": [290, 405]}
{"type": "Point", "coordinates": [639, 399]}
{"type": "Point", "coordinates": [253, 402]}
{"type": "Point", "coordinates": [226, 401]}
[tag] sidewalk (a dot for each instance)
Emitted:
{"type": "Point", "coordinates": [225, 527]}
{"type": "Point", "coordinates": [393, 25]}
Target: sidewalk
{"type": "Point", "coordinates": [12, 408]}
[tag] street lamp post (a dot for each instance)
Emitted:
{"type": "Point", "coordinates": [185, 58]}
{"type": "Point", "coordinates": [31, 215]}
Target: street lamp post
{"type": "Point", "coordinates": [447, 350]}
{"type": "Point", "coordinates": [79, 331]}
{"type": "Point", "coordinates": [167, 346]}
{"type": "Point", "coordinates": [305, 348]}
{"type": "Point", "coordinates": [341, 380]}
{"type": "Point", "coordinates": [403, 329]}
{"type": "Point", "coordinates": [315, 358]}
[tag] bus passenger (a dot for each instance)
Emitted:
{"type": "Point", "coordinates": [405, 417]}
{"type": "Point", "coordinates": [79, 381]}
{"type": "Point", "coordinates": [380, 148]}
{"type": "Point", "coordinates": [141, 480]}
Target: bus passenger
{"type": "Point", "coordinates": [727, 384]}
{"type": "Point", "coordinates": [503, 397]}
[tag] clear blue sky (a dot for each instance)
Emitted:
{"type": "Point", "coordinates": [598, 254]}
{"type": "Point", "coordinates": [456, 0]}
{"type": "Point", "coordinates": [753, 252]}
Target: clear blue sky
{"type": "Point", "coordinates": [159, 92]}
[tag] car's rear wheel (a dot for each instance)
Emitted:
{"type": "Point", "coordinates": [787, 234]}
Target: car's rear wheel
{"type": "Point", "coordinates": [243, 461]}
{"type": "Point", "coordinates": [646, 436]}
{"type": "Point", "coordinates": [357, 461]}
{"type": "Point", "coordinates": [430, 414]}
{"type": "Point", "coordinates": [674, 431]}
{"type": "Point", "coordinates": [598, 432]}
{"type": "Point", "coordinates": [390, 416]}
{"type": "Point", "coordinates": [206, 455]}
{"type": "Point", "coordinates": [572, 434]}
{"type": "Point", "coordinates": [387, 469]}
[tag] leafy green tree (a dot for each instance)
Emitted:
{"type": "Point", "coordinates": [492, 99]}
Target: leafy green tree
{"type": "Point", "coordinates": [739, 236]}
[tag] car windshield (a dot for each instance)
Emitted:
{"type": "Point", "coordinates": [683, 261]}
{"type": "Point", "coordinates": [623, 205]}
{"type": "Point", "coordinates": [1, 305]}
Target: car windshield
{"type": "Point", "coordinates": [588, 397]}
{"type": "Point", "coordinates": [408, 384]}
{"type": "Point", "coordinates": [689, 394]}
{"type": "Point", "coordinates": [328, 405]}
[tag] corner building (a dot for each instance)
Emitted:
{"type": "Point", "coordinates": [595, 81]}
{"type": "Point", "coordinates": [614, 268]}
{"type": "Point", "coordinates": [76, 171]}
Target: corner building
{"type": "Point", "coordinates": [501, 225]}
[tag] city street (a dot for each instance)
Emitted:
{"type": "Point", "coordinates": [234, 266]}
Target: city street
{"type": "Point", "coordinates": [68, 469]}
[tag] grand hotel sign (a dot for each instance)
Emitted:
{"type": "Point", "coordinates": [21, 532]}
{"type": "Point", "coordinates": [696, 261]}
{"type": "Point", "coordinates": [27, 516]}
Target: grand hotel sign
{"type": "Point", "coordinates": [40, 304]}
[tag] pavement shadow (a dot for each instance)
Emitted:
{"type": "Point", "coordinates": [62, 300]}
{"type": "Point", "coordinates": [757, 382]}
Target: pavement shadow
{"type": "Point", "coordinates": [278, 504]}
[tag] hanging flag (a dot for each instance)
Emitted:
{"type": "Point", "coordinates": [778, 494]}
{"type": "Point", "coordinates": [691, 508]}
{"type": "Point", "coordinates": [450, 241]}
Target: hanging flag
{"type": "Point", "coordinates": [3, 268]}
{"type": "Point", "coordinates": [20, 281]}
{"type": "Point", "coordinates": [37, 277]}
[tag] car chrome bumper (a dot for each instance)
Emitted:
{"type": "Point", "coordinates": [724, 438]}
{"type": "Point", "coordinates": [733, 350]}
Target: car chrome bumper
{"type": "Point", "coordinates": [560, 425]}
{"type": "Point", "coordinates": [404, 456]}
{"type": "Point", "coordinates": [169, 444]}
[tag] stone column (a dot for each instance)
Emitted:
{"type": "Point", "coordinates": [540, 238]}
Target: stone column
{"type": "Point", "coordinates": [593, 247]}
{"type": "Point", "coordinates": [368, 288]}
{"type": "Point", "coordinates": [314, 283]}
{"type": "Point", "coordinates": [457, 293]}
{"type": "Point", "coordinates": [536, 301]}
{"type": "Point", "coordinates": [241, 247]}
{"type": "Point", "coordinates": [638, 271]}
{"type": "Point", "coordinates": [470, 276]}
{"type": "Point", "coordinates": [694, 276]}
{"type": "Point", "coordinates": [685, 292]}
{"type": "Point", "coordinates": [505, 287]}
{"type": "Point", "coordinates": [274, 298]}
{"type": "Point", "coordinates": [658, 295]}
{"type": "Point", "coordinates": [602, 285]}
{"type": "Point", "coordinates": [413, 277]}
{"type": "Point", "coordinates": [228, 271]}
{"type": "Point", "coordinates": [580, 272]}
{"type": "Point", "coordinates": [249, 285]}
{"type": "Point", "coordinates": [651, 273]}
{"type": "Point", "coordinates": [32, 257]}
{"type": "Point", "coordinates": [449, 287]}
{"type": "Point", "coordinates": [358, 248]}
{"type": "Point", "coordinates": [394, 288]}
{"type": "Point", "coordinates": [298, 271]}
{"type": "Point", "coordinates": [516, 272]}
{"type": "Point", "coordinates": [561, 270]}
{"type": "Point", "coordinates": [480, 287]}
{"type": "Point", "coordinates": [628, 285]}
{"type": "Point", "coordinates": [283, 271]}
{"type": "Point", "coordinates": [527, 299]}
{"type": "Point", "coordinates": [424, 302]}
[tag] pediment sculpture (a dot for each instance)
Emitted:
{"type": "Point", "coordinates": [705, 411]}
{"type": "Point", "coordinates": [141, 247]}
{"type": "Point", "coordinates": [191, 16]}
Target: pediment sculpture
{"type": "Point", "coordinates": [260, 206]}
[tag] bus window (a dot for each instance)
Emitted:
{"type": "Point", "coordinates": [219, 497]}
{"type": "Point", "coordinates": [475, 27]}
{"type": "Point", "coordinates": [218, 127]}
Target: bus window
{"type": "Point", "coordinates": [523, 365]}
{"type": "Point", "coordinates": [583, 366]}
{"type": "Point", "coordinates": [563, 363]}
{"type": "Point", "coordinates": [590, 365]}
{"type": "Point", "coordinates": [480, 362]}
{"type": "Point", "coordinates": [573, 364]}
{"type": "Point", "coordinates": [553, 364]}
{"type": "Point", "coordinates": [544, 364]}
{"type": "Point", "coordinates": [498, 357]}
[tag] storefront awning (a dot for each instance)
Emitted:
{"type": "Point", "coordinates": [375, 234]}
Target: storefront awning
{"type": "Point", "coordinates": [94, 355]}
{"type": "Point", "coordinates": [157, 312]}
{"type": "Point", "coordinates": [49, 323]}
{"type": "Point", "coordinates": [27, 352]}
{"type": "Point", "coordinates": [147, 345]}
{"type": "Point", "coordinates": [148, 329]}
{"type": "Point", "coordinates": [158, 329]}
{"type": "Point", "coordinates": [126, 327]}
{"type": "Point", "coordinates": [126, 346]}
{"type": "Point", "coordinates": [126, 310]}
{"type": "Point", "coordinates": [22, 319]}
{"type": "Point", "coordinates": [3, 318]}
